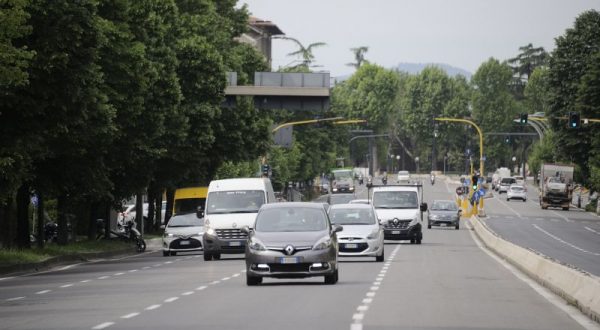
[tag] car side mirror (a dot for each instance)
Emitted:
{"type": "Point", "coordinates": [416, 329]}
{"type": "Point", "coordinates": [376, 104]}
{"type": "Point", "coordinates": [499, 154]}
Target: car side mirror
{"type": "Point", "coordinates": [337, 228]}
{"type": "Point", "coordinates": [380, 222]}
{"type": "Point", "coordinates": [163, 227]}
{"type": "Point", "coordinates": [199, 213]}
{"type": "Point", "coordinates": [245, 230]}
{"type": "Point", "coordinates": [459, 212]}
{"type": "Point", "coordinates": [423, 207]}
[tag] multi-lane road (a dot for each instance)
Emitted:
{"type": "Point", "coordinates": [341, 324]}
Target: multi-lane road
{"type": "Point", "coordinates": [448, 282]}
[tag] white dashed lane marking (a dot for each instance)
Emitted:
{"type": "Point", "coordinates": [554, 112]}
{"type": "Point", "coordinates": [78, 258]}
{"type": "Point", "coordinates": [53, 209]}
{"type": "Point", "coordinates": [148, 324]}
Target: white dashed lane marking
{"type": "Point", "coordinates": [43, 291]}
{"type": "Point", "coordinates": [103, 325]}
{"type": "Point", "coordinates": [170, 300]}
{"type": "Point", "coordinates": [565, 242]}
{"type": "Point", "coordinates": [128, 316]}
{"type": "Point", "coordinates": [15, 298]}
{"type": "Point", "coordinates": [151, 307]}
{"type": "Point", "coordinates": [66, 285]}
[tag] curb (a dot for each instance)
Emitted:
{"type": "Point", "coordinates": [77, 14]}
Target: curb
{"type": "Point", "coordinates": [577, 287]}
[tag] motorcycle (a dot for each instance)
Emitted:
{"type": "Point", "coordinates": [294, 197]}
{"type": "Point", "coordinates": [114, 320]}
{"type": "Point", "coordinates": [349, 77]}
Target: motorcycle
{"type": "Point", "coordinates": [432, 180]}
{"type": "Point", "coordinates": [360, 180]}
{"type": "Point", "coordinates": [384, 180]}
{"type": "Point", "coordinates": [126, 232]}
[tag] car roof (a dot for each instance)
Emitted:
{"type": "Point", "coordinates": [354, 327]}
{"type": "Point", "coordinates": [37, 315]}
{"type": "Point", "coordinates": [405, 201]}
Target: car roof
{"type": "Point", "coordinates": [293, 204]}
{"type": "Point", "coordinates": [396, 188]}
{"type": "Point", "coordinates": [350, 206]}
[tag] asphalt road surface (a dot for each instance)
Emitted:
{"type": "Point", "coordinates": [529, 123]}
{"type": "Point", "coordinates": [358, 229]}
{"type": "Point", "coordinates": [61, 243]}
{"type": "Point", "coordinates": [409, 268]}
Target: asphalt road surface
{"type": "Point", "coordinates": [571, 237]}
{"type": "Point", "coordinates": [448, 282]}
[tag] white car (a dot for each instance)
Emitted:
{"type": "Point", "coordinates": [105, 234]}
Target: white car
{"type": "Point", "coordinates": [505, 183]}
{"type": "Point", "coordinates": [183, 233]}
{"type": "Point", "coordinates": [516, 191]}
{"type": "Point", "coordinates": [129, 212]}
{"type": "Point", "coordinates": [362, 235]}
{"type": "Point", "coordinates": [403, 177]}
{"type": "Point", "coordinates": [359, 201]}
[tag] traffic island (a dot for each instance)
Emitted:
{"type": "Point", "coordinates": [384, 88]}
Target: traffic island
{"type": "Point", "coordinates": [577, 287]}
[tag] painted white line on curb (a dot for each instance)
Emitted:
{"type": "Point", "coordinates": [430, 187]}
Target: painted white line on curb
{"type": "Point", "coordinates": [130, 315]}
{"type": "Point", "coordinates": [103, 325]}
{"type": "Point", "coordinates": [151, 307]}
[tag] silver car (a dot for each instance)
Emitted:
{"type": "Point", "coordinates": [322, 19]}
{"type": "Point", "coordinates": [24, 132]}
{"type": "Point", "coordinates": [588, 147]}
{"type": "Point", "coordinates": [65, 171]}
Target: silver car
{"type": "Point", "coordinates": [362, 235]}
{"type": "Point", "coordinates": [183, 233]}
{"type": "Point", "coordinates": [516, 191]}
{"type": "Point", "coordinates": [292, 240]}
{"type": "Point", "coordinates": [443, 213]}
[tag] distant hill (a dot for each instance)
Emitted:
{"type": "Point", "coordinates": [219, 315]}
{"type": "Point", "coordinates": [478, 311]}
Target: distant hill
{"type": "Point", "coordinates": [415, 68]}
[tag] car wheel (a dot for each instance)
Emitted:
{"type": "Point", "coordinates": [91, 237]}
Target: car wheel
{"type": "Point", "coordinates": [457, 227]}
{"type": "Point", "coordinates": [508, 199]}
{"type": "Point", "coordinates": [173, 253]}
{"type": "Point", "coordinates": [253, 280]}
{"type": "Point", "coordinates": [418, 241]}
{"type": "Point", "coordinates": [380, 258]}
{"type": "Point", "coordinates": [565, 208]}
{"type": "Point", "coordinates": [216, 256]}
{"type": "Point", "coordinates": [428, 225]}
{"type": "Point", "coordinates": [412, 241]}
{"type": "Point", "coordinates": [524, 200]}
{"type": "Point", "coordinates": [207, 256]}
{"type": "Point", "coordinates": [166, 253]}
{"type": "Point", "coordinates": [332, 279]}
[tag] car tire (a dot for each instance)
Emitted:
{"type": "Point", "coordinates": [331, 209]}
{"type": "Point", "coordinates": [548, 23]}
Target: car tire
{"type": "Point", "coordinates": [565, 208]}
{"type": "Point", "coordinates": [166, 253]}
{"type": "Point", "coordinates": [207, 256]}
{"type": "Point", "coordinates": [508, 199]}
{"type": "Point", "coordinates": [412, 241]}
{"type": "Point", "coordinates": [418, 241]}
{"type": "Point", "coordinates": [253, 280]}
{"type": "Point", "coordinates": [332, 279]}
{"type": "Point", "coordinates": [457, 227]}
{"type": "Point", "coordinates": [428, 225]}
{"type": "Point", "coordinates": [381, 257]}
{"type": "Point", "coordinates": [216, 256]}
{"type": "Point", "coordinates": [524, 200]}
{"type": "Point", "coordinates": [173, 253]}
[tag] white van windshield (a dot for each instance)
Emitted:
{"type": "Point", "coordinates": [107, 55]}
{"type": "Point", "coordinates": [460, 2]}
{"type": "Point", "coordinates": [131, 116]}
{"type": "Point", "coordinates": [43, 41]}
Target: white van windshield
{"type": "Point", "coordinates": [395, 200]}
{"type": "Point", "coordinates": [237, 201]}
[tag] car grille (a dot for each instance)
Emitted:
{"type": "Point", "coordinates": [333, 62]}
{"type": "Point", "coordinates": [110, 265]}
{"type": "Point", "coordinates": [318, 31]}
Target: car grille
{"type": "Point", "coordinates": [230, 234]}
{"type": "Point", "coordinates": [359, 247]}
{"type": "Point", "coordinates": [291, 268]}
{"type": "Point", "coordinates": [402, 224]}
{"type": "Point", "coordinates": [194, 244]}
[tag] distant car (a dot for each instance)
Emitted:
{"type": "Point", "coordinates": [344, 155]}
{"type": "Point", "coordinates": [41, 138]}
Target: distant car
{"type": "Point", "coordinates": [183, 233]}
{"type": "Point", "coordinates": [403, 177]}
{"type": "Point", "coordinates": [520, 180]}
{"type": "Point", "coordinates": [516, 191]}
{"type": "Point", "coordinates": [340, 198]}
{"type": "Point", "coordinates": [292, 240]}
{"type": "Point", "coordinates": [443, 213]}
{"type": "Point", "coordinates": [324, 188]}
{"type": "Point", "coordinates": [362, 235]}
{"type": "Point", "coordinates": [505, 183]}
{"type": "Point", "coordinates": [129, 212]}
{"type": "Point", "coordinates": [359, 201]}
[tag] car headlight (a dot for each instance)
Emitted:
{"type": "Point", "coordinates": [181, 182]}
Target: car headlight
{"type": "Point", "coordinates": [168, 235]}
{"type": "Point", "coordinates": [334, 189]}
{"type": "Point", "coordinates": [374, 234]}
{"type": "Point", "coordinates": [323, 244]}
{"type": "Point", "coordinates": [211, 232]}
{"type": "Point", "coordinates": [256, 244]}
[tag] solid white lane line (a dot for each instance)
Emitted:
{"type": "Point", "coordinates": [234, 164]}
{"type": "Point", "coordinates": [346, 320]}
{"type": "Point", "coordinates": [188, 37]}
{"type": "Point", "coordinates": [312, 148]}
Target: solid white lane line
{"type": "Point", "coordinates": [187, 293]}
{"type": "Point", "coordinates": [6, 278]}
{"type": "Point", "coordinates": [151, 307]}
{"type": "Point", "coordinates": [593, 231]}
{"type": "Point", "coordinates": [562, 216]}
{"type": "Point", "coordinates": [508, 207]}
{"type": "Point", "coordinates": [66, 285]}
{"type": "Point", "coordinates": [15, 298]}
{"type": "Point", "coordinates": [565, 242]}
{"type": "Point", "coordinates": [170, 300]}
{"type": "Point", "coordinates": [103, 325]}
{"type": "Point", "coordinates": [130, 315]}
{"type": "Point", "coordinates": [103, 277]}
{"type": "Point", "coordinates": [200, 288]}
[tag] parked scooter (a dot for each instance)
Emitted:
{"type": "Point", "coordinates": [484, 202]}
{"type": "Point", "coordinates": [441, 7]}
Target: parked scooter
{"type": "Point", "coordinates": [127, 232]}
{"type": "Point", "coordinates": [432, 179]}
{"type": "Point", "coordinates": [360, 180]}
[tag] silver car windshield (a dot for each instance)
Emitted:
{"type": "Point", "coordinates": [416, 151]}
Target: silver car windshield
{"type": "Point", "coordinates": [444, 206]}
{"type": "Point", "coordinates": [395, 200]}
{"type": "Point", "coordinates": [185, 222]}
{"type": "Point", "coordinates": [237, 201]}
{"type": "Point", "coordinates": [352, 217]}
{"type": "Point", "coordinates": [291, 219]}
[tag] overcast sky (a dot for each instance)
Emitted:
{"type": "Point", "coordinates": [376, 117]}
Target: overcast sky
{"type": "Point", "coordinates": [462, 33]}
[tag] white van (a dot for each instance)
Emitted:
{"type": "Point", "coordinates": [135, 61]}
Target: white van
{"type": "Point", "coordinates": [230, 205]}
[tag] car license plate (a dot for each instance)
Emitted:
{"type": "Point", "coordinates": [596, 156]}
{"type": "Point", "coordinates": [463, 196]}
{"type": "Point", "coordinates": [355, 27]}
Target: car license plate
{"type": "Point", "coordinates": [442, 225]}
{"type": "Point", "coordinates": [235, 243]}
{"type": "Point", "coordinates": [184, 242]}
{"type": "Point", "coordinates": [289, 260]}
{"type": "Point", "coordinates": [395, 232]}
{"type": "Point", "coordinates": [351, 246]}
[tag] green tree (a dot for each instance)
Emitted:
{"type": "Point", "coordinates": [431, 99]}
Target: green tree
{"type": "Point", "coordinates": [572, 87]}
{"type": "Point", "coordinates": [359, 56]}
{"type": "Point", "coordinates": [523, 66]}
{"type": "Point", "coordinates": [537, 91]}
{"type": "Point", "coordinates": [304, 52]}
{"type": "Point", "coordinates": [15, 58]}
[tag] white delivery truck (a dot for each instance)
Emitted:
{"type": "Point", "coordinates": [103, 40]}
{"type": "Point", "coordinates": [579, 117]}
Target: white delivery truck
{"type": "Point", "coordinates": [230, 205]}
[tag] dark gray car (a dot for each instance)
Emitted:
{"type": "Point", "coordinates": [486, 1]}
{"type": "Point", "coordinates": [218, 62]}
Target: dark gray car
{"type": "Point", "coordinates": [443, 213]}
{"type": "Point", "coordinates": [292, 240]}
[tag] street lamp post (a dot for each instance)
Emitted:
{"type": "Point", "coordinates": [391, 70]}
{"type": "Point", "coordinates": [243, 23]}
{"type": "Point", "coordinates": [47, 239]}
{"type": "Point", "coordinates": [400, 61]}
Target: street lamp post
{"type": "Point", "coordinates": [391, 162]}
{"type": "Point", "coordinates": [445, 158]}
{"type": "Point", "coordinates": [398, 159]}
{"type": "Point", "coordinates": [417, 161]}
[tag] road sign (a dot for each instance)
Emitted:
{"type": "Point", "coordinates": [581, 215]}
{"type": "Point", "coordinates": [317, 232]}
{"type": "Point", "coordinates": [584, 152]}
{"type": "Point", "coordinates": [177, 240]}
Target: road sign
{"type": "Point", "coordinates": [34, 200]}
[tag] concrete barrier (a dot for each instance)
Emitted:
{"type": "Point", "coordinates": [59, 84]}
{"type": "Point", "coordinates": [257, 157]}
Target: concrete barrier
{"type": "Point", "coordinates": [578, 288]}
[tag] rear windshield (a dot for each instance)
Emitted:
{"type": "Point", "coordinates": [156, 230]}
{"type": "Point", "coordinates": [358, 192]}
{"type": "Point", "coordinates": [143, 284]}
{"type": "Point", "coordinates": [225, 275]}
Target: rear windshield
{"type": "Point", "coordinates": [291, 219]}
{"type": "Point", "coordinates": [508, 180]}
{"type": "Point", "coordinates": [516, 188]}
{"type": "Point", "coordinates": [395, 200]}
{"type": "Point", "coordinates": [444, 206]}
{"type": "Point", "coordinates": [235, 201]}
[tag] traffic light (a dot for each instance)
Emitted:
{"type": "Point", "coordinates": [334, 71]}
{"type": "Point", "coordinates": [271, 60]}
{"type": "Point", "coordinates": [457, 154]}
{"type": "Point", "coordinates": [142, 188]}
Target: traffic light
{"type": "Point", "coordinates": [523, 119]}
{"type": "Point", "coordinates": [474, 181]}
{"type": "Point", "coordinates": [507, 139]}
{"type": "Point", "coordinates": [265, 169]}
{"type": "Point", "coordinates": [574, 120]}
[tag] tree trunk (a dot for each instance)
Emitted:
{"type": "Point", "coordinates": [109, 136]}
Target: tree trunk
{"type": "Point", "coordinates": [158, 211]}
{"type": "Point", "coordinates": [40, 221]}
{"type": "Point", "coordinates": [93, 220]}
{"type": "Point", "coordinates": [151, 207]}
{"type": "Point", "coordinates": [139, 211]}
{"type": "Point", "coordinates": [23, 241]}
{"type": "Point", "coordinates": [106, 216]}
{"type": "Point", "coordinates": [63, 234]}
{"type": "Point", "coordinates": [170, 202]}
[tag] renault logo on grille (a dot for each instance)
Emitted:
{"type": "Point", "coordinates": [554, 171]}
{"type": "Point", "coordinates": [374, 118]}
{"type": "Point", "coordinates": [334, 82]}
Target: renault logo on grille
{"type": "Point", "coordinates": [234, 225]}
{"type": "Point", "coordinates": [289, 250]}
{"type": "Point", "coordinates": [396, 221]}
